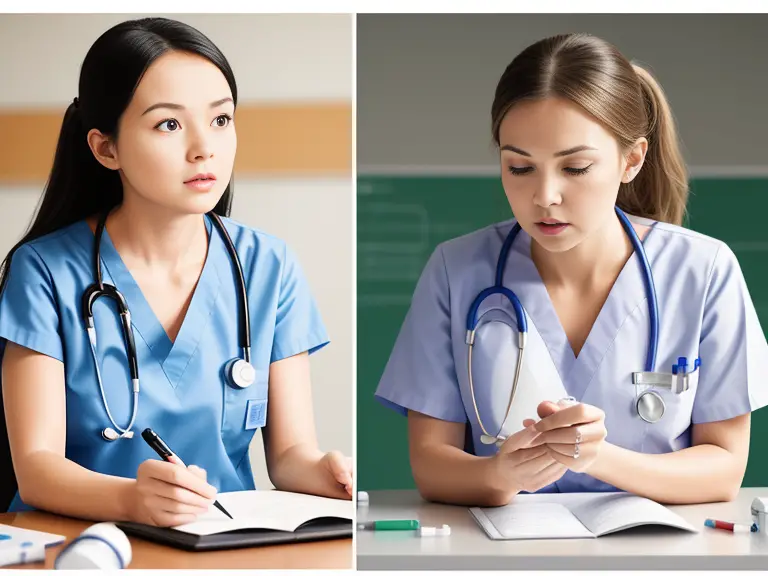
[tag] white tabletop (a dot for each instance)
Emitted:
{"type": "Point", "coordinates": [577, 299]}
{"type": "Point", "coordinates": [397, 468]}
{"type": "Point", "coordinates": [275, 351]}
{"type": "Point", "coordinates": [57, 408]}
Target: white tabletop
{"type": "Point", "coordinates": [644, 548]}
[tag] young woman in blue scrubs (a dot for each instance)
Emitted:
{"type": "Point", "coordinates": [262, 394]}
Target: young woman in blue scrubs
{"type": "Point", "coordinates": [580, 131]}
{"type": "Point", "coordinates": [150, 142]}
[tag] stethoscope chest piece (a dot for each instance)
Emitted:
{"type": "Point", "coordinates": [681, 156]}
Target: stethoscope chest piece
{"type": "Point", "coordinates": [650, 406]}
{"type": "Point", "coordinates": [110, 434]}
{"type": "Point", "coordinates": [488, 439]}
{"type": "Point", "coordinates": [240, 373]}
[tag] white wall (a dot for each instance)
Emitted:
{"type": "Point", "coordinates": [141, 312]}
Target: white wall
{"type": "Point", "coordinates": [321, 234]}
{"type": "Point", "coordinates": [425, 83]}
{"type": "Point", "coordinates": [276, 58]}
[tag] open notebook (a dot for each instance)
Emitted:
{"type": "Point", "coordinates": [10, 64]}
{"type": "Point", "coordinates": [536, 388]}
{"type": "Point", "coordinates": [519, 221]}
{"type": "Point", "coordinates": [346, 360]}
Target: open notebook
{"type": "Point", "coordinates": [260, 517]}
{"type": "Point", "coordinates": [544, 516]}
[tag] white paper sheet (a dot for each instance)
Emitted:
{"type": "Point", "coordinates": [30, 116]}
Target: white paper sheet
{"type": "Point", "coordinates": [20, 535]}
{"type": "Point", "coordinates": [530, 522]}
{"type": "Point", "coordinates": [493, 366]}
{"type": "Point", "coordinates": [579, 515]}
{"type": "Point", "coordinates": [612, 512]}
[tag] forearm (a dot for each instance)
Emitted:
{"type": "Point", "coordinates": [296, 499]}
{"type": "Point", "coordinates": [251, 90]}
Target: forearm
{"type": "Point", "coordinates": [704, 473]}
{"type": "Point", "coordinates": [298, 469]}
{"type": "Point", "coordinates": [55, 484]}
{"type": "Point", "coordinates": [444, 473]}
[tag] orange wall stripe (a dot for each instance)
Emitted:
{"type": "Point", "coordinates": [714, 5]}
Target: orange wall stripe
{"type": "Point", "coordinates": [272, 140]}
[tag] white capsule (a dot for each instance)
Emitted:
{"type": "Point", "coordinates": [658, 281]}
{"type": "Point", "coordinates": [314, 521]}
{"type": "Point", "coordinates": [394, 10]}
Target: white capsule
{"type": "Point", "coordinates": [432, 531]}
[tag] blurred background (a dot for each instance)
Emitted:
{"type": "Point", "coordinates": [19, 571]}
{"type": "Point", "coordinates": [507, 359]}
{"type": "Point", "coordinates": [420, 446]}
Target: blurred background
{"type": "Point", "coordinates": [428, 170]}
{"type": "Point", "coordinates": [293, 175]}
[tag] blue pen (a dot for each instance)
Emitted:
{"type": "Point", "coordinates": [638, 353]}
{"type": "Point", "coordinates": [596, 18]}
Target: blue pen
{"type": "Point", "coordinates": [681, 369]}
{"type": "Point", "coordinates": [682, 366]}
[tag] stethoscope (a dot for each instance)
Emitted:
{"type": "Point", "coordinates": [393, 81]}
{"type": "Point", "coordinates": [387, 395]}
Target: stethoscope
{"type": "Point", "coordinates": [649, 405]}
{"type": "Point", "coordinates": [238, 371]}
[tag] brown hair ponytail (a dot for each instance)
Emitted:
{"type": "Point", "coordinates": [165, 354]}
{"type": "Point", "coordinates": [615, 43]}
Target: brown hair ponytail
{"type": "Point", "coordinates": [660, 189]}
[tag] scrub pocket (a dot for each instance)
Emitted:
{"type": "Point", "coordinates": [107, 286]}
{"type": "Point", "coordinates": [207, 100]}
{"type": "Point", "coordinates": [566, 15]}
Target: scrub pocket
{"type": "Point", "coordinates": [245, 411]}
{"type": "Point", "coordinates": [676, 421]}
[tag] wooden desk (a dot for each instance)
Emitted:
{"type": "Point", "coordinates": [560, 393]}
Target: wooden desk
{"type": "Point", "coordinates": [333, 554]}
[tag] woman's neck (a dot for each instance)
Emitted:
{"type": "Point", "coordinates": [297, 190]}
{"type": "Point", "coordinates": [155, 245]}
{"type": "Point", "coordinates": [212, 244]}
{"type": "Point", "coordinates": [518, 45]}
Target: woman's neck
{"type": "Point", "coordinates": [154, 238]}
{"type": "Point", "coordinates": [597, 260]}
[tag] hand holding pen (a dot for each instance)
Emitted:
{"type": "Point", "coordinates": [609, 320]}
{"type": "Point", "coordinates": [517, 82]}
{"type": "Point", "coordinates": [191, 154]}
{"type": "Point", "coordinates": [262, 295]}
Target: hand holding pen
{"type": "Point", "coordinates": [166, 493]}
{"type": "Point", "coordinates": [164, 451]}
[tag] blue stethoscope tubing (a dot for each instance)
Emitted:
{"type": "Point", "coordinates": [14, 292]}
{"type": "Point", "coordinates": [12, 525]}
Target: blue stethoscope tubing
{"type": "Point", "coordinates": [238, 371]}
{"type": "Point", "coordinates": [522, 324]}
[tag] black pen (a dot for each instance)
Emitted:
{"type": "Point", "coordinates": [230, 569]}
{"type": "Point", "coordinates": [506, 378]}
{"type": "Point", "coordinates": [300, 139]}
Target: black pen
{"type": "Point", "coordinates": [162, 449]}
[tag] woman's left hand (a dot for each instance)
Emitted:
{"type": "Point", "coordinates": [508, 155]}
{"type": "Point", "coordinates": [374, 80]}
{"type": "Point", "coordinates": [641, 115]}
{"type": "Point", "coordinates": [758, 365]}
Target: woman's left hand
{"type": "Point", "coordinates": [573, 435]}
{"type": "Point", "coordinates": [339, 468]}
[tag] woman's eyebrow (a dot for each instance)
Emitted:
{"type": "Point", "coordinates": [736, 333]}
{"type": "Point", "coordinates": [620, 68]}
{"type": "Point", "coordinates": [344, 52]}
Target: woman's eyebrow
{"type": "Point", "coordinates": [556, 154]}
{"type": "Point", "coordinates": [173, 106]}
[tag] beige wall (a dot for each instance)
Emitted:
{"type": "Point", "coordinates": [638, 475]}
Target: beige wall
{"type": "Point", "coordinates": [275, 57]}
{"type": "Point", "coordinates": [313, 213]}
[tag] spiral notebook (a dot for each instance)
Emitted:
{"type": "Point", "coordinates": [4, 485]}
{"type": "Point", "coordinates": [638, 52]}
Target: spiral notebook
{"type": "Point", "coordinates": [260, 517]}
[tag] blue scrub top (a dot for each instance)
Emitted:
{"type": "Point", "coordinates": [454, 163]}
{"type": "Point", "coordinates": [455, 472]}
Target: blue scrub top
{"type": "Point", "coordinates": [705, 311]}
{"type": "Point", "coordinates": [184, 395]}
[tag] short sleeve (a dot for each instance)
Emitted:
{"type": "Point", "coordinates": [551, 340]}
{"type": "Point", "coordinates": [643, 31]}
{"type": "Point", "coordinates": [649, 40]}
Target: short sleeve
{"type": "Point", "coordinates": [420, 374]}
{"type": "Point", "coordinates": [298, 325]}
{"type": "Point", "coordinates": [28, 310]}
{"type": "Point", "coordinates": [733, 378]}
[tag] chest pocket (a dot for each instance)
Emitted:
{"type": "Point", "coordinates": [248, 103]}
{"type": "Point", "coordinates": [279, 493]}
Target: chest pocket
{"type": "Point", "coordinates": [671, 432]}
{"type": "Point", "coordinates": [245, 409]}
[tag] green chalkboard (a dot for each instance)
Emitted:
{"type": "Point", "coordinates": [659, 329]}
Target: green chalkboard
{"type": "Point", "coordinates": [400, 220]}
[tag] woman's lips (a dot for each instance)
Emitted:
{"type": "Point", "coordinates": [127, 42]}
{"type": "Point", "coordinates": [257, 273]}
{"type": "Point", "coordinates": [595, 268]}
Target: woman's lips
{"type": "Point", "coordinates": [201, 183]}
{"type": "Point", "coordinates": [551, 227]}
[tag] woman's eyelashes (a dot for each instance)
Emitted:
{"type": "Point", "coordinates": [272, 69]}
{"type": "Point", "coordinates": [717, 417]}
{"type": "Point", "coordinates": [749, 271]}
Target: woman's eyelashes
{"type": "Point", "coordinates": [578, 171]}
{"type": "Point", "coordinates": [526, 169]}
{"type": "Point", "coordinates": [225, 117]}
{"type": "Point", "coordinates": [519, 171]}
{"type": "Point", "coordinates": [173, 125]}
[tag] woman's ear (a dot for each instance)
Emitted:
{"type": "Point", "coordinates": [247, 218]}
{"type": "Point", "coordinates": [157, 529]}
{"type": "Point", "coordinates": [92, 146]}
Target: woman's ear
{"type": "Point", "coordinates": [635, 159]}
{"type": "Point", "coordinates": [104, 149]}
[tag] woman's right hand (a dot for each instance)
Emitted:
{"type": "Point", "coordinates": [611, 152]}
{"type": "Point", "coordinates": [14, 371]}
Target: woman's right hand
{"type": "Point", "coordinates": [169, 494]}
{"type": "Point", "coordinates": [522, 468]}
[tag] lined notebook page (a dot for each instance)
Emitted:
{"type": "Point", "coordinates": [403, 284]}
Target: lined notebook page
{"type": "Point", "coordinates": [528, 521]}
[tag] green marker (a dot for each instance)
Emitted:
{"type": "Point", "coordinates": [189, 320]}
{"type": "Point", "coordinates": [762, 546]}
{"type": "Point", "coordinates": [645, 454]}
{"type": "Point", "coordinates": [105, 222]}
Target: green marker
{"type": "Point", "coordinates": [389, 525]}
